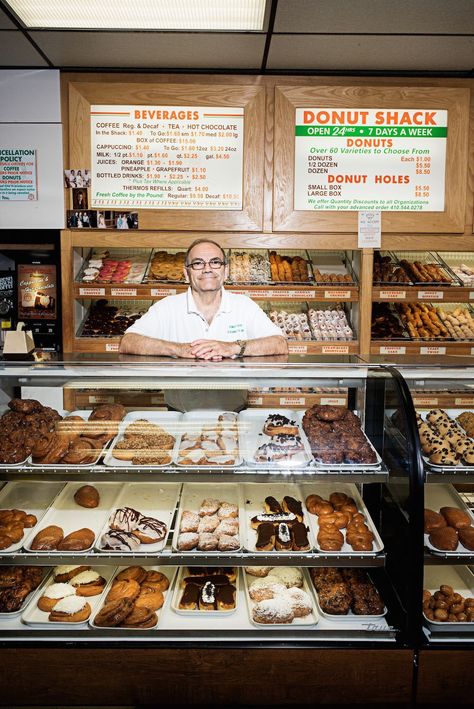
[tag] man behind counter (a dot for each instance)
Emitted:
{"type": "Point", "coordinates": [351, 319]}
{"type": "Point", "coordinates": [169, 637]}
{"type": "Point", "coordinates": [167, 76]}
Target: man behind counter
{"type": "Point", "coordinates": [206, 322]}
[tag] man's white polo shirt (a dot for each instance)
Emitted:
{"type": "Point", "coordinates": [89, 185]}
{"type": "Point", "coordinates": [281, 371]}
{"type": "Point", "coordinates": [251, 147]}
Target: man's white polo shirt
{"type": "Point", "coordinates": [177, 319]}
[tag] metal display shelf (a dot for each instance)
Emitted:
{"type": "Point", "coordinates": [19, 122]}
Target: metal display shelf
{"type": "Point", "coordinates": [101, 473]}
{"type": "Point", "coordinates": [168, 558]}
{"type": "Point", "coordinates": [437, 560]}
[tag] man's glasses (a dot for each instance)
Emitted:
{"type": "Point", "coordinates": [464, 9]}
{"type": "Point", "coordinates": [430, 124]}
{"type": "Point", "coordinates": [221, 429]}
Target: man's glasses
{"type": "Point", "coordinates": [199, 264]}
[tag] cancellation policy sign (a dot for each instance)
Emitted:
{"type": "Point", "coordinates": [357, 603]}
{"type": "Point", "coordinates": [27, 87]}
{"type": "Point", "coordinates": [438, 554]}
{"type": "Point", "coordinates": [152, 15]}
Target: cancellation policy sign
{"type": "Point", "coordinates": [167, 157]}
{"type": "Point", "coordinates": [18, 181]}
{"type": "Point", "coordinates": [359, 159]}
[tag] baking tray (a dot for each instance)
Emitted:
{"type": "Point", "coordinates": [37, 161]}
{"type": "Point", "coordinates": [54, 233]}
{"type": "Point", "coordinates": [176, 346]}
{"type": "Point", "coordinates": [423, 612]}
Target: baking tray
{"type": "Point", "coordinates": [169, 571]}
{"type": "Point", "coordinates": [308, 620]}
{"type": "Point", "coordinates": [378, 256]}
{"type": "Point", "coordinates": [274, 309]}
{"type": "Point", "coordinates": [84, 414]}
{"type": "Point", "coordinates": [343, 466]}
{"type": "Point", "coordinates": [291, 253]}
{"type": "Point", "coordinates": [70, 516]}
{"type": "Point", "coordinates": [437, 496]}
{"type": "Point", "coordinates": [456, 260]}
{"type": "Point", "coordinates": [349, 617]}
{"type": "Point", "coordinates": [252, 437]}
{"type": "Point", "coordinates": [459, 467]}
{"type": "Point", "coordinates": [168, 420]}
{"type": "Point", "coordinates": [446, 308]}
{"type": "Point", "coordinates": [325, 489]}
{"type": "Point", "coordinates": [149, 278]}
{"type": "Point", "coordinates": [332, 262]}
{"type": "Point", "coordinates": [191, 497]}
{"type": "Point", "coordinates": [39, 619]}
{"type": "Point", "coordinates": [254, 496]}
{"type": "Point", "coordinates": [32, 497]}
{"type": "Point", "coordinates": [14, 614]}
{"type": "Point", "coordinates": [461, 579]}
{"type": "Point", "coordinates": [192, 422]}
{"type": "Point", "coordinates": [330, 307]}
{"type": "Point", "coordinates": [152, 500]}
{"type": "Point", "coordinates": [139, 259]}
{"type": "Point", "coordinates": [263, 253]}
{"type": "Point", "coordinates": [213, 614]}
{"type": "Point", "coordinates": [426, 257]}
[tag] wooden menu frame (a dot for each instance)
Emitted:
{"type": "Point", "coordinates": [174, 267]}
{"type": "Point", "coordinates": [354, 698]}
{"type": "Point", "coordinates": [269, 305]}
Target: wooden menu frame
{"type": "Point", "coordinates": [82, 95]}
{"type": "Point", "coordinates": [454, 100]}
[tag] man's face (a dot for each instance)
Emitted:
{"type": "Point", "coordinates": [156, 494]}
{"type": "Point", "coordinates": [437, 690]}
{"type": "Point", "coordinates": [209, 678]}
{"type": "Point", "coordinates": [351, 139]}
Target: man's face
{"type": "Point", "coordinates": [208, 279]}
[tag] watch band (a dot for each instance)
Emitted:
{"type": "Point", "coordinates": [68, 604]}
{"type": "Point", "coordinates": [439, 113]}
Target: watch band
{"type": "Point", "coordinates": [242, 344]}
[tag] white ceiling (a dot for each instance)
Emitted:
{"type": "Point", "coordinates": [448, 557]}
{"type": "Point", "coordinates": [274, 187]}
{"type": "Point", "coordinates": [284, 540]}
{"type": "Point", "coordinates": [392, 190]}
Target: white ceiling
{"type": "Point", "coordinates": [307, 35]}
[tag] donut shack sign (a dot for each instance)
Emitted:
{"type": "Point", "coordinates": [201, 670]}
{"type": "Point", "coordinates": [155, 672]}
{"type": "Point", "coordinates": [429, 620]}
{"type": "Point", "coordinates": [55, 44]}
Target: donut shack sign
{"type": "Point", "coordinates": [366, 159]}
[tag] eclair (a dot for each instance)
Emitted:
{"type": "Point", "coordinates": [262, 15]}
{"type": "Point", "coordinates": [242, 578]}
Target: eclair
{"type": "Point", "coordinates": [265, 537]}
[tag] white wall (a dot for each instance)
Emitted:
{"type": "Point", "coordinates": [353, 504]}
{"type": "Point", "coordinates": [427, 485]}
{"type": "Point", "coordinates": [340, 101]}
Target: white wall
{"type": "Point", "coordinates": [30, 117]}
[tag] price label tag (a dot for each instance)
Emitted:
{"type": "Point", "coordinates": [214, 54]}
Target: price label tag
{"type": "Point", "coordinates": [392, 349]}
{"type": "Point", "coordinates": [91, 291]}
{"type": "Point", "coordinates": [297, 349]}
{"type": "Point", "coordinates": [333, 401]}
{"type": "Point", "coordinates": [430, 295]}
{"type": "Point", "coordinates": [255, 400]}
{"type": "Point", "coordinates": [471, 295]}
{"type": "Point", "coordinates": [162, 292]}
{"type": "Point", "coordinates": [123, 292]}
{"type": "Point", "coordinates": [337, 294]}
{"type": "Point", "coordinates": [292, 401]}
{"type": "Point", "coordinates": [432, 350]}
{"type": "Point", "coordinates": [335, 349]}
{"type": "Point", "coordinates": [393, 294]}
{"type": "Point", "coordinates": [157, 400]}
{"type": "Point", "coordinates": [418, 401]}
{"type": "Point", "coordinates": [112, 347]}
{"type": "Point", "coordinates": [303, 294]}
{"type": "Point", "coordinates": [101, 399]}
{"type": "Point", "coordinates": [464, 401]}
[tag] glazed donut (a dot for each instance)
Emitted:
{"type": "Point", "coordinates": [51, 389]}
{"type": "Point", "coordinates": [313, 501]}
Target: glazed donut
{"type": "Point", "coordinates": [330, 538]}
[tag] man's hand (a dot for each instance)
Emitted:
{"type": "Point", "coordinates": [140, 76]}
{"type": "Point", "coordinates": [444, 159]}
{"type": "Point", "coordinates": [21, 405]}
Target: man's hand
{"type": "Point", "coordinates": [213, 349]}
{"type": "Point", "coordinates": [184, 350]}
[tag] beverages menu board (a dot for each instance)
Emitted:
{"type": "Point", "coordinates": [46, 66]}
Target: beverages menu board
{"type": "Point", "coordinates": [366, 159]}
{"type": "Point", "coordinates": [167, 157]}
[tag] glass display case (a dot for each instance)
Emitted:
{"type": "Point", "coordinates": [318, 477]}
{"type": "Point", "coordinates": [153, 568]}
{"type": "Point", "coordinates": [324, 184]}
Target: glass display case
{"type": "Point", "coordinates": [225, 522]}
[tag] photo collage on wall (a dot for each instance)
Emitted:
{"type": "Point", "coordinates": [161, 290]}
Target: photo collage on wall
{"type": "Point", "coordinates": [79, 216]}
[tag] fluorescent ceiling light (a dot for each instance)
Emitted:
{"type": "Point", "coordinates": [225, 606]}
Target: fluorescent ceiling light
{"type": "Point", "coordinates": [209, 15]}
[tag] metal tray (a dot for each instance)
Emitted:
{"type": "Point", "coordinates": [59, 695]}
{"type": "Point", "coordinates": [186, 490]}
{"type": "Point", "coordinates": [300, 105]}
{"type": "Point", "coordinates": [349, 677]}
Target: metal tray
{"type": "Point", "coordinates": [168, 420]}
{"type": "Point", "coordinates": [251, 423]}
{"type": "Point", "coordinates": [437, 496]}
{"type": "Point", "coordinates": [461, 579]}
{"type": "Point", "coordinates": [325, 489]}
{"type": "Point", "coordinates": [308, 620]}
{"type": "Point", "coordinates": [191, 497]}
{"type": "Point", "coordinates": [70, 516]}
{"type": "Point", "coordinates": [193, 422]}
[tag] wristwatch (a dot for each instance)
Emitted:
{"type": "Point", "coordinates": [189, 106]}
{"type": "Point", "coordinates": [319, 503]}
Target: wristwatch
{"type": "Point", "coordinates": [242, 344]}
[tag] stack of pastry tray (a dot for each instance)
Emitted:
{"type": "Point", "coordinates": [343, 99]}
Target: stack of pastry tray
{"type": "Point", "coordinates": [138, 257]}
{"type": "Point", "coordinates": [330, 307]}
{"type": "Point", "coordinates": [150, 278]}
{"type": "Point", "coordinates": [396, 270]}
{"type": "Point", "coordinates": [332, 263]}
{"type": "Point", "coordinates": [126, 308]}
{"type": "Point", "coordinates": [290, 308]}
{"type": "Point", "coordinates": [234, 275]}
{"type": "Point", "coordinates": [425, 258]}
{"type": "Point", "coordinates": [289, 254]}
{"type": "Point", "coordinates": [461, 264]}
{"type": "Point", "coordinates": [447, 308]}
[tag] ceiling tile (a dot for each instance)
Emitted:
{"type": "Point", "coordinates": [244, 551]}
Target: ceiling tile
{"type": "Point", "coordinates": [5, 22]}
{"type": "Point", "coordinates": [15, 50]}
{"type": "Point", "coordinates": [366, 16]}
{"type": "Point", "coordinates": [370, 53]}
{"type": "Point", "coordinates": [152, 49]}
